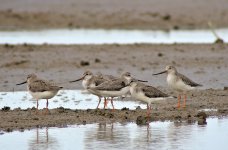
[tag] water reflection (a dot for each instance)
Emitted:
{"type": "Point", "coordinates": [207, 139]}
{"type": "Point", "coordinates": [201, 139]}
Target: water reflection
{"type": "Point", "coordinates": [158, 135]}
{"type": "Point", "coordinates": [42, 140]}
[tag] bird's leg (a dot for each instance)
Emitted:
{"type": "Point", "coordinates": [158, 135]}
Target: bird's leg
{"type": "Point", "coordinates": [46, 107]}
{"type": "Point", "coordinates": [105, 102]}
{"type": "Point", "coordinates": [112, 104]}
{"type": "Point", "coordinates": [98, 102]}
{"type": "Point", "coordinates": [179, 98]}
{"type": "Point", "coordinates": [148, 112]}
{"type": "Point", "coordinates": [185, 98]}
{"type": "Point", "coordinates": [37, 105]}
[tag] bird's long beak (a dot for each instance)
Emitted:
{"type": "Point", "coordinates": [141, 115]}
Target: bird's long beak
{"type": "Point", "coordinates": [77, 79]}
{"type": "Point", "coordinates": [22, 83]}
{"type": "Point", "coordinates": [160, 72]}
{"type": "Point", "coordinates": [139, 80]}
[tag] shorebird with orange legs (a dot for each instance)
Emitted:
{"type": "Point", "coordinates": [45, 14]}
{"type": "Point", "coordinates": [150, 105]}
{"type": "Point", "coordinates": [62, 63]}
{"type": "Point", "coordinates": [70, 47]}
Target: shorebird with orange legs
{"type": "Point", "coordinates": [179, 83]}
{"type": "Point", "coordinates": [89, 80]}
{"type": "Point", "coordinates": [40, 89]}
{"type": "Point", "coordinates": [147, 94]}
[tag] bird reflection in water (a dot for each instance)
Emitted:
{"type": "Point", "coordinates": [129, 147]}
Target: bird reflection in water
{"type": "Point", "coordinates": [42, 140]}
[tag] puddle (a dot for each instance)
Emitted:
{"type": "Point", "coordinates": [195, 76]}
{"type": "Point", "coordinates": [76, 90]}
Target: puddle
{"type": "Point", "coordinates": [159, 135]}
{"type": "Point", "coordinates": [101, 36]}
{"type": "Point", "coordinates": [73, 99]}
{"type": "Point", "coordinates": [208, 109]}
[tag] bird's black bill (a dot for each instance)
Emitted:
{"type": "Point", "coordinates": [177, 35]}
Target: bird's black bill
{"type": "Point", "coordinates": [138, 80]}
{"type": "Point", "coordinates": [77, 80]}
{"type": "Point", "coordinates": [160, 73]}
{"type": "Point", "coordinates": [21, 83]}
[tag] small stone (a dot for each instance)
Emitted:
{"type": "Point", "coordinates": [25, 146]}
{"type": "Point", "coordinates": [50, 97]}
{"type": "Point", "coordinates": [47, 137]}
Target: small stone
{"type": "Point", "coordinates": [177, 117]}
{"type": "Point", "coordinates": [141, 120]}
{"type": "Point", "coordinates": [9, 130]}
{"type": "Point", "coordinates": [138, 108]}
{"type": "Point", "coordinates": [8, 45]}
{"type": "Point", "coordinates": [5, 108]}
{"type": "Point", "coordinates": [84, 122]}
{"type": "Point", "coordinates": [61, 109]}
{"type": "Point", "coordinates": [110, 115]}
{"type": "Point", "coordinates": [176, 27]}
{"type": "Point", "coordinates": [225, 88]}
{"type": "Point", "coordinates": [219, 41]}
{"type": "Point", "coordinates": [125, 108]}
{"type": "Point", "coordinates": [166, 17]}
{"type": "Point", "coordinates": [202, 115]}
{"type": "Point", "coordinates": [35, 118]}
{"type": "Point", "coordinates": [160, 54]}
{"type": "Point", "coordinates": [70, 24]}
{"type": "Point", "coordinates": [84, 63]}
{"type": "Point", "coordinates": [97, 60]}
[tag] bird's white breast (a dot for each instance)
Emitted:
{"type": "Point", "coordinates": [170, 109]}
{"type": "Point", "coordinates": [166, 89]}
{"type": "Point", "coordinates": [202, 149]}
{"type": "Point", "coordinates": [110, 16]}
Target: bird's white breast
{"type": "Point", "coordinates": [177, 84]}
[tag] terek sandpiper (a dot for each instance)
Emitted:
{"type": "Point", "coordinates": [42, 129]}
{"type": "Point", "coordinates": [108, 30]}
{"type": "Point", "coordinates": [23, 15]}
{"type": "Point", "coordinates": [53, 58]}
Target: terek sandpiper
{"type": "Point", "coordinates": [107, 77]}
{"type": "Point", "coordinates": [40, 89]}
{"type": "Point", "coordinates": [146, 93]}
{"type": "Point", "coordinates": [89, 80]}
{"type": "Point", "coordinates": [114, 88]}
{"type": "Point", "coordinates": [179, 82]}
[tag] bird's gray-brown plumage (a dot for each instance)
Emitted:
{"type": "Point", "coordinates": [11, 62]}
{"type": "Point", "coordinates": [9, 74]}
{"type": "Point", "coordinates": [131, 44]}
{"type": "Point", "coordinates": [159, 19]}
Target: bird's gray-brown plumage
{"type": "Point", "coordinates": [152, 92]}
{"type": "Point", "coordinates": [39, 85]}
{"type": "Point", "coordinates": [111, 85]}
{"type": "Point", "coordinates": [187, 81]}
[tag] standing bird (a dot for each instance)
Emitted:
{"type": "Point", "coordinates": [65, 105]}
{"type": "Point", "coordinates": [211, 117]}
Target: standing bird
{"type": "Point", "coordinates": [147, 94]}
{"type": "Point", "coordinates": [89, 80]}
{"type": "Point", "coordinates": [179, 82]}
{"type": "Point", "coordinates": [114, 88]}
{"type": "Point", "coordinates": [40, 89]}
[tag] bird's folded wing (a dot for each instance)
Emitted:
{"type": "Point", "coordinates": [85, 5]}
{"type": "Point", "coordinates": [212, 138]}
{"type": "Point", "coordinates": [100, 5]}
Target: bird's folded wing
{"type": "Point", "coordinates": [111, 85]}
{"type": "Point", "coordinates": [188, 81]}
{"type": "Point", "coordinates": [152, 92]}
{"type": "Point", "coordinates": [41, 86]}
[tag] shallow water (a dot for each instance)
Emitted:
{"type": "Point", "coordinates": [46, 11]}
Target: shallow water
{"type": "Point", "coordinates": [159, 135]}
{"type": "Point", "coordinates": [101, 36]}
{"type": "Point", "coordinates": [73, 99]}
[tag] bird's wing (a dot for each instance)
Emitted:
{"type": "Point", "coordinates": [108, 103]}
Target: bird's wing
{"type": "Point", "coordinates": [41, 86]}
{"type": "Point", "coordinates": [188, 81]}
{"type": "Point", "coordinates": [152, 92]}
{"type": "Point", "coordinates": [99, 81]}
{"type": "Point", "coordinates": [111, 85]}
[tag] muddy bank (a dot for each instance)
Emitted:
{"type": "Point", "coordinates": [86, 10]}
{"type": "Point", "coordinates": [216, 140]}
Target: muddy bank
{"type": "Point", "coordinates": [144, 14]}
{"type": "Point", "coordinates": [163, 110]}
{"type": "Point", "coordinates": [206, 64]}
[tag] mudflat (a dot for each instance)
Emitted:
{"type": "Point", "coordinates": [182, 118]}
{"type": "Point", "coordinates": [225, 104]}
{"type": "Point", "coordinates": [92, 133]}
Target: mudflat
{"type": "Point", "coordinates": [204, 63]}
{"type": "Point", "coordinates": [128, 14]}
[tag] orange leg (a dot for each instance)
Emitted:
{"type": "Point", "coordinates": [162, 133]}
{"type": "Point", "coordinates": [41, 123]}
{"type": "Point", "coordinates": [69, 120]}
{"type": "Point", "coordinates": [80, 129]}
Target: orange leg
{"type": "Point", "coordinates": [179, 98]}
{"type": "Point", "coordinates": [105, 102]}
{"type": "Point", "coordinates": [112, 104]}
{"type": "Point", "coordinates": [99, 102]}
{"type": "Point", "coordinates": [185, 98]}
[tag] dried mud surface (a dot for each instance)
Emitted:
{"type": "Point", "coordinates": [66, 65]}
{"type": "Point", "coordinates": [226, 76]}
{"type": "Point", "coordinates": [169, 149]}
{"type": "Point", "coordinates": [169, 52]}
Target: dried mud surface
{"type": "Point", "coordinates": [205, 64]}
{"type": "Point", "coordinates": [143, 14]}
